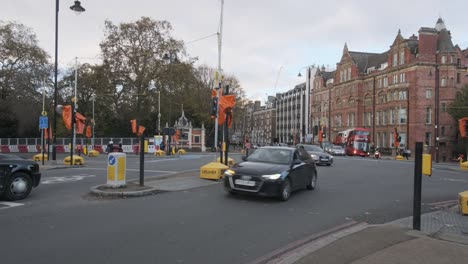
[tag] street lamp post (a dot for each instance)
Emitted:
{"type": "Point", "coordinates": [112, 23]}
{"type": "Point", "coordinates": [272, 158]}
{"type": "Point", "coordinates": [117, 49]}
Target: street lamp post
{"type": "Point", "coordinates": [77, 8]}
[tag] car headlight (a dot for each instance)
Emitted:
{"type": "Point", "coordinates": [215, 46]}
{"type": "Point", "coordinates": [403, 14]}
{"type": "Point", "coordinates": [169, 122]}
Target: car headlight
{"type": "Point", "coordinates": [272, 176]}
{"type": "Point", "coordinates": [314, 156]}
{"type": "Point", "coordinates": [229, 172]}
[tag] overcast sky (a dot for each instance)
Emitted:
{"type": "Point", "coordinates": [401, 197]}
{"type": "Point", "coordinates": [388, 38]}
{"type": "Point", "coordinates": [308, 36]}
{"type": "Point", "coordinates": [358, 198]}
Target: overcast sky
{"type": "Point", "coordinates": [259, 36]}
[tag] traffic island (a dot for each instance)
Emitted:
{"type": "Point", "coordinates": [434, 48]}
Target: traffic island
{"type": "Point", "coordinates": [131, 189]}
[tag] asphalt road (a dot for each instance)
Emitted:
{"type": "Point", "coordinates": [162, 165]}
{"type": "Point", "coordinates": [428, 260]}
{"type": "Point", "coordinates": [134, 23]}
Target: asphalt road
{"type": "Point", "coordinates": [60, 223]}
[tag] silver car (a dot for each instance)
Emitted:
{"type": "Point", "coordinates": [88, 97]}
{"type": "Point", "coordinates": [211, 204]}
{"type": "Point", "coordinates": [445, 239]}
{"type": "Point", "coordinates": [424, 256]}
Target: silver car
{"type": "Point", "coordinates": [320, 157]}
{"type": "Point", "coordinates": [337, 151]}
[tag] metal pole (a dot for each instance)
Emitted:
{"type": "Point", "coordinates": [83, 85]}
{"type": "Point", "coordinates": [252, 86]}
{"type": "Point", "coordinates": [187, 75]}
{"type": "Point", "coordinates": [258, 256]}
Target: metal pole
{"type": "Point", "coordinates": [436, 114]}
{"type": "Point", "coordinates": [220, 39]}
{"type": "Point", "coordinates": [73, 129]}
{"type": "Point", "coordinates": [94, 121]}
{"type": "Point", "coordinates": [159, 113]}
{"type": "Point", "coordinates": [54, 132]}
{"type": "Point", "coordinates": [42, 130]}
{"type": "Point", "coordinates": [417, 186]}
{"type": "Point", "coordinates": [75, 97]}
{"type": "Point", "coordinates": [226, 133]}
{"type": "Point", "coordinates": [142, 159]}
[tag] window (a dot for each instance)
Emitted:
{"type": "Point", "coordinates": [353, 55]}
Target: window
{"type": "Point", "coordinates": [377, 118]}
{"type": "Point", "coordinates": [427, 138]}
{"type": "Point", "coordinates": [442, 131]}
{"type": "Point", "coordinates": [403, 95]}
{"type": "Point", "coordinates": [443, 60]}
{"type": "Point", "coordinates": [402, 116]}
{"type": "Point", "coordinates": [395, 78]}
{"type": "Point", "coordinates": [402, 57]}
{"type": "Point", "coordinates": [385, 81]}
{"type": "Point", "coordinates": [196, 139]}
{"type": "Point", "coordinates": [403, 139]}
{"type": "Point", "coordinates": [452, 59]}
{"type": "Point", "coordinates": [384, 118]}
{"type": "Point", "coordinates": [458, 77]}
{"type": "Point", "coordinates": [428, 93]}
{"type": "Point", "coordinates": [379, 83]}
{"type": "Point", "coordinates": [349, 73]}
{"type": "Point", "coordinates": [392, 117]}
{"type": "Point", "coordinates": [444, 107]}
{"type": "Point", "coordinates": [402, 77]}
{"type": "Point", "coordinates": [428, 115]}
{"type": "Point", "coordinates": [341, 76]}
{"type": "Point", "coordinates": [348, 120]}
{"type": "Point", "coordinates": [443, 82]}
{"type": "Point", "coordinates": [395, 59]}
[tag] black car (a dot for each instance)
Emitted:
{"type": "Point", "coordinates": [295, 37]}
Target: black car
{"type": "Point", "coordinates": [317, 153]}
{"type": "Point", "coordinates": [272, 171]}
{"type": "Point", "coordinates": [17, 177]}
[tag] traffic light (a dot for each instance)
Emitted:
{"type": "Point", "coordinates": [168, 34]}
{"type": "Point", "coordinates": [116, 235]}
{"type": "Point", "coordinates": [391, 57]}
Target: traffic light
{"type": "Point", "coordinates": [463, 126]}
{"type": "Point", "coordinates": [214, 107]}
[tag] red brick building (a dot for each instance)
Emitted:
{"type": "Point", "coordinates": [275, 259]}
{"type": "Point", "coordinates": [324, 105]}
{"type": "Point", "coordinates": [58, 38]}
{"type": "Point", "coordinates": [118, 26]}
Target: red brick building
{"type": "Point", "coordinates": [407, 87]}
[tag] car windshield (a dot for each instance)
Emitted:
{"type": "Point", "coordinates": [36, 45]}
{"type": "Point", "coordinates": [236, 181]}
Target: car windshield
{"type": "Point", "coordinates": [280, 156]}
{"type": "Point", "coordinates": [311, 148]}
{"type": "Point", "coordinates": [337, 147]}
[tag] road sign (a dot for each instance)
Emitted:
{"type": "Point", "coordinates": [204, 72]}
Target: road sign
{"type": "Point", "coordinates": [111, 160]}
{"type": "Point", "coordinates": [43, 122]}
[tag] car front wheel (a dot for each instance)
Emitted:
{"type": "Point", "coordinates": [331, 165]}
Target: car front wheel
{"type": "Point", "coordinates": [285, 191]}
{"type": "Point", "coordinates": [18, 186]}
{"type": "Point", "coordinates": [313, 182]}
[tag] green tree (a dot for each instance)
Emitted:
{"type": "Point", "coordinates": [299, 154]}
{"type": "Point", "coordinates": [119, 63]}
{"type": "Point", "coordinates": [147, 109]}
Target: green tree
{"type": "Point", "coordinates": [459, 109]}
{"type": "Point", "coordinates": [23, 68]}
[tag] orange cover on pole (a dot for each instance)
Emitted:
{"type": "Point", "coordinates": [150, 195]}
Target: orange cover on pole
{"type": "Point", "coordinates": [66, 116]}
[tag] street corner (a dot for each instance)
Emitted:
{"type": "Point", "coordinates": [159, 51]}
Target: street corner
{"type": "Point", "coordinates": [130, 189]}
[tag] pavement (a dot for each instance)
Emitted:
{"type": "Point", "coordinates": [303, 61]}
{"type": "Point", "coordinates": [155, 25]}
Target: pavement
{"type": "Point", "coordinates": [443, 237]}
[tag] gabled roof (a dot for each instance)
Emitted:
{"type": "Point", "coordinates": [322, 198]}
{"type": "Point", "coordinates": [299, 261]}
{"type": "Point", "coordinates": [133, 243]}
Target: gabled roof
{"type": "Point", "coordinates": [328, 75]}
{"type": "Point", "coordinates": [365, 60]}
{"type": "Point", "coordinates": [444, 42]}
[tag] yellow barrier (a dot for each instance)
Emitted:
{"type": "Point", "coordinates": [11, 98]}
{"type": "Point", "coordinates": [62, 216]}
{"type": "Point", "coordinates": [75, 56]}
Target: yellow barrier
{"type": "Point", "coordinates": [230, 161]}
{"type": "Point", "coordinates": [213, 171]}
{"type": "Point", "coordinates": [463, 202]}
{"type": "Point", "coordinates": [93, 153]}
{"type": "Point", "coordinates": [77, 160]}
{"type": "Point", "coordinates": [38, 157]}
{"type": "Point", "coordinates": [464, 165]}
{"type": "Point", "coordinates": [181, 151]}
{"type": "Point", "coordinates": [399, 157]}
{"type": "Point", "coordinates": [159, 153]}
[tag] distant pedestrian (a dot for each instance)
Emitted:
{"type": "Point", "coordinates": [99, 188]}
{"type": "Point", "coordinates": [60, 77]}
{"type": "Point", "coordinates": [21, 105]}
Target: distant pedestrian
{"type": "Point", "coordinates": [110, 147]}
{"type": "Point", "coordinates": [120, 147]}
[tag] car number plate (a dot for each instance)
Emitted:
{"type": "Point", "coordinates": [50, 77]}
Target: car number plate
{"type": "Point", "coordinates": [244, 182]}
{"type": "Point", "coordinates": [324, 159]}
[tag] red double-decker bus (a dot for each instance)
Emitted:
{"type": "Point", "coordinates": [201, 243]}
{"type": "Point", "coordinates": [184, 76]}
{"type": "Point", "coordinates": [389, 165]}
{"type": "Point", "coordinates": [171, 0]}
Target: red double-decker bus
{"type": "Point", "coordinates": [355, 141]}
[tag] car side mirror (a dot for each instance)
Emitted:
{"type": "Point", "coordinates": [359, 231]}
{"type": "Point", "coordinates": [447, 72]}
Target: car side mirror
{"type": "Point", "coordinates": [244, 158]}
{"type": "Point", "coordinates": [296, 162]}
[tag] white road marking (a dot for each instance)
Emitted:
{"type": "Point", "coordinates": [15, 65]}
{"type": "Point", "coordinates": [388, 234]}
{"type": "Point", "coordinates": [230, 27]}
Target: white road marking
{"type": "Point", "coordinates": [53, 180]}
{"type": "Point", "coordinates": [105, 169]}
{"type": "Point", "coordinates": [9, 205]}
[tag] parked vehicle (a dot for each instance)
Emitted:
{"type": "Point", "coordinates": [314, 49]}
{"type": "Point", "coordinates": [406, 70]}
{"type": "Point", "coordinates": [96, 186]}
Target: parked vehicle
{"type": "Point", "coordinates": [272, 171]}
{"type": "Point", "coordinates": [317, 153]}
{"type": "Point", "coordinates": [17, 177]}
{"type": "Point", "coordinates": [337, 150]}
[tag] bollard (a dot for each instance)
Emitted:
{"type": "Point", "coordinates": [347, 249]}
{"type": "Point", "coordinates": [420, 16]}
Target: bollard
{"type": "Point", "coordinates": [116, 166]}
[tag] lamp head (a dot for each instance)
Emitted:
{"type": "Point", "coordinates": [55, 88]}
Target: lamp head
{"type": "Point", "coordinates": [77, 7]}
